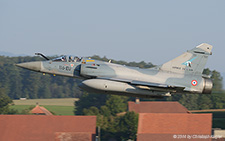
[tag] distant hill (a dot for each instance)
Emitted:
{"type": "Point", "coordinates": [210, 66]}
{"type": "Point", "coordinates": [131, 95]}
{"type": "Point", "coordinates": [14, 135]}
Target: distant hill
{"type": "Point", "coordinates": [9, 54]}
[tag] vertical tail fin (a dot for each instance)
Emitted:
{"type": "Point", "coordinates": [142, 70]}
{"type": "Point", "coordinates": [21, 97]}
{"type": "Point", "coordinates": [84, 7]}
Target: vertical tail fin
{"type": "Point", "coordinates": [191, 62]}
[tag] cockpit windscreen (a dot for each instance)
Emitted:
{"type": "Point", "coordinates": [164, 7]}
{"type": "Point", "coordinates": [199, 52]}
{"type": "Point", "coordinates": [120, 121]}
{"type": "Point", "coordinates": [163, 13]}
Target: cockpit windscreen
{"type": "Point", "coordinates": [67, 59]}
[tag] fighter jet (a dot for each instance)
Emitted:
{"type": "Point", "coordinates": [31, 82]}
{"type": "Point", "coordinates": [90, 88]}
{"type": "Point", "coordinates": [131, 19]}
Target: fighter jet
{"type": "Point", "coordinates": [182, 75]}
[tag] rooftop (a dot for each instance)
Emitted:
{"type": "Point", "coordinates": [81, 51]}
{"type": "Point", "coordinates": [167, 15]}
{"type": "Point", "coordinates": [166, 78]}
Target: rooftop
{"type": "Point", "coordinates": [46, 128]}
{"type": "Point", "coordinates": [163, 126]}
{"type": "Point", "coordinates": [40, 110]}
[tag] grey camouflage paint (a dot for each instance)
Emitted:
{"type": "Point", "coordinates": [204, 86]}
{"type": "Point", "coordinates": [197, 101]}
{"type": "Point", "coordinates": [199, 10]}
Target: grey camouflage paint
{"type": "Point", "coordinates": [180, 75]}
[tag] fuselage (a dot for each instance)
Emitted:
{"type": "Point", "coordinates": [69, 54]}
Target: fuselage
{"type": "Point", "coordinates": [180, 75]}
{"type": "Point", "coordinates": [110, 78]}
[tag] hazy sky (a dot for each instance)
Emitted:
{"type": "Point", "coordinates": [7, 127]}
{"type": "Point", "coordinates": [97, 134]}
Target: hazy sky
{"type": "Point", "coordinates": [131, 30]}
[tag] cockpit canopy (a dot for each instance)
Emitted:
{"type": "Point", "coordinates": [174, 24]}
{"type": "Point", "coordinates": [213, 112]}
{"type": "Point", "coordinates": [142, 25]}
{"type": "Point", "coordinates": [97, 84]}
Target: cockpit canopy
{"type": "Point", "coordinates": [67, 58]}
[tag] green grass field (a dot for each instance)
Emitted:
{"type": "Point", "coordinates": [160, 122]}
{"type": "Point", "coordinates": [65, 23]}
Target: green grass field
{"type": "Point", "coordinates": [56, 101]}
{"type": "Point", "coordinates": [60, 110]}
{"type": "Point", "coordinates": [62, 106]}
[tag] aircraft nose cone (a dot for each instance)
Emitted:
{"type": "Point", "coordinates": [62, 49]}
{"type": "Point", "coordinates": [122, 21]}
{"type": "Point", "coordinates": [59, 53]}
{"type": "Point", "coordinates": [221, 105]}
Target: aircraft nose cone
{"type": "Point", "coordinates": [35, 66]}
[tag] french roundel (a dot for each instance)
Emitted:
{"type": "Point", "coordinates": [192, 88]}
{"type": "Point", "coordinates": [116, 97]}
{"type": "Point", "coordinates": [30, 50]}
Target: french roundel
{"type": "Point", "coordinates": [194, 82]}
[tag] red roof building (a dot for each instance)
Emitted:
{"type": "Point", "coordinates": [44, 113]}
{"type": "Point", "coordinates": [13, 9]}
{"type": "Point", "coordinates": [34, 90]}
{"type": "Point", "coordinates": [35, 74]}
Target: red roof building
{"type": "Point", "coordinates": [38, 110]}
{"type": "Point", "coordinates": [160, 121]}
{"type": "Point", "coordinates": [157, 107]}
{"type": "Point", "coordinates": [47, 128]}
{"type": "Point", "coordinates": [174, 126]}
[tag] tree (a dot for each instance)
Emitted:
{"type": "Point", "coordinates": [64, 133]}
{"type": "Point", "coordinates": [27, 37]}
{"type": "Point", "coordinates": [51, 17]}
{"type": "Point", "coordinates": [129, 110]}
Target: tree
{"type": "Point", "coordinates": [104, 110]}
{"type": "Point", "coordinates": [4, 103]}
{"type": "Point", "coordinates": [88, 100]}
{"type": "Point", "coordinates": [218, 100]}
{"type": "Point", "coordinates": [16, 85]}
{"type": "Point", "coordinates": [217, 81]}
{"type": "Point", "coordinates": [127, 126]}
{"type": "Point", "coordinates": [190, 101]}
{"type": "Point", "coordinates": [116, 104]}
{"type": "Point", "coordinates": [204, 102]}
{"type": "Point", "coordinates": [91, 111]}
